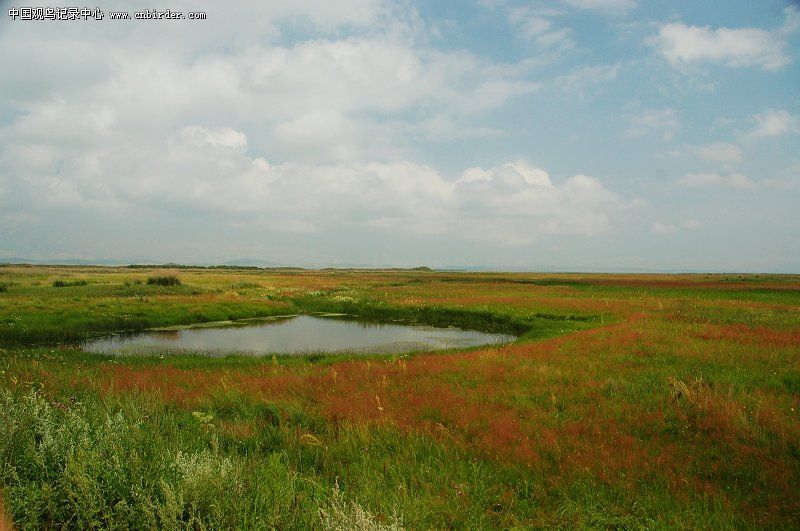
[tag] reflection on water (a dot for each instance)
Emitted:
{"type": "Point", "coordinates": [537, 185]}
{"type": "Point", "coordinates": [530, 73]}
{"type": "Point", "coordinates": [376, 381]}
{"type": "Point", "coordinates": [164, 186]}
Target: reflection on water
{"type": "Point", "coordinates": [167, 335]}
{"type": "Point", "coordinates": [296, 335]}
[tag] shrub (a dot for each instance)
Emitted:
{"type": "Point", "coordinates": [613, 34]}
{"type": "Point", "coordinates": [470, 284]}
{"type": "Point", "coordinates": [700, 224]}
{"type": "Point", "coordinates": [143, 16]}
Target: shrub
{"type": "Point", "coordinates": [164, 280]}
{"type": "Point", "coordinates": [342, 515]}
{"type": "Point", "coordinates": [97, 473]}
{"type": "Point", "coordinates": [68, 283]}
{"type": "Point", "coordinates": [3, 287]}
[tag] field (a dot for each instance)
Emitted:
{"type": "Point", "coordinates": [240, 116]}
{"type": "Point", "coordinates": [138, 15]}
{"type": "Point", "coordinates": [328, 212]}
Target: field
{"type": "Point", "coordinates": [633, 401]}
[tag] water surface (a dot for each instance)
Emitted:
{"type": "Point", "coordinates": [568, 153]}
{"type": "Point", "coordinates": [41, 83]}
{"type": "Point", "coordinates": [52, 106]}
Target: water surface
{"type": "Point", "coordinates": [302, 334]}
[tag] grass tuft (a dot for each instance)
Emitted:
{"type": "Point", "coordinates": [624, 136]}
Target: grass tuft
{"type": "Point", "coordinates": [341, 515]}
{"type": "Point", "coordinates": [69, 283]}
{"type": "Point", "coordinates": [164, 280]}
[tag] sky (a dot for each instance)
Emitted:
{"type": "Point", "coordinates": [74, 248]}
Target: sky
{"type": "Point", "coordinates": [542, 135]}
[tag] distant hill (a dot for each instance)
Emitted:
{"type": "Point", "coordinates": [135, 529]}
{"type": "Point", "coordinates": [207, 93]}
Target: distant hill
{"type": "Point", "coordinates": [61, 261]}
{"type": "Point", "coordinates": [268, 264]}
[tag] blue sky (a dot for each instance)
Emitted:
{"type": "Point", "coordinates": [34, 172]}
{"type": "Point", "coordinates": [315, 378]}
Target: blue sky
{"type": "Point", "coordinates": [558, 135]}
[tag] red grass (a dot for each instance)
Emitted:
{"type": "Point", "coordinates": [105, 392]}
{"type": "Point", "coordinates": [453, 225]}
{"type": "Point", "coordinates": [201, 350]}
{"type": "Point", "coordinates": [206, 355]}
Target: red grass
{"type": "Point", "coordinates": [542, 403]}
{"type": "Point", "coordinates": [741, 333]}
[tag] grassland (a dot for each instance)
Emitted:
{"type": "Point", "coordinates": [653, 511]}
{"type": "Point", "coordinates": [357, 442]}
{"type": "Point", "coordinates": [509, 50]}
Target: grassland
{"type": "Point", "coordinates": [635, 401]}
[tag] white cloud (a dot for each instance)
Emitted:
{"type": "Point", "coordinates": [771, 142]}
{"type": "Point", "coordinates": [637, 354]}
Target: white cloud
{"type": "Point", "coordinates": [308, 138]}
{"type": "Point", "coordinates": [719, 152]}
{"type": "Point", "coordinates": [516, 203]}
{"type": "Point", "coordinates": [663, 121]}
{"type": "Point", "coordinates": [733, 180]}
{"type": "Point", "coordinates": [207, 171]}
{"type": "Point", "coordinates": [774, 122]}
{"type": "Point", "coordinates": [333, 98]}
{"type": "Point", "coordinates": [542, 27]}
{"type": "Point", "coordinates": [681, 44]}
{"type": "Point", "coordinates": [220, 137]}
{"type": "Point", "coordinates": [587, 79]}
{"type": "Point", "coordinates": [792, 22]}
{"type": "Point", "coordinates": [603, 5]}
{"type": "Point", "coordinates": [663, 228]}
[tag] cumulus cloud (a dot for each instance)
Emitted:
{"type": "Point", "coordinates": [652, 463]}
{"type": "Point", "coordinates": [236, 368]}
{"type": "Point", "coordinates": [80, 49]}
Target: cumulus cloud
{"type": "Point", "coordinates": [525, 198]}
{"type": "Point", "coordinates": [291, 136]}
{"type": "Point", "coordinates": [733, 180]}
{"type": "Point", "coordinates": [334, 97]}
{"type": "Point", "coordinates": [207, 171]}
{"type": "Point", "coordinates": [681, 44]}
{"type": "Point", "coordinates": [774, 122]}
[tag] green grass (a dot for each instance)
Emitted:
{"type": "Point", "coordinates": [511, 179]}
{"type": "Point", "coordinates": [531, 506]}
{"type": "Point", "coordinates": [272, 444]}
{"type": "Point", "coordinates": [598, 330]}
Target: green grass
{"type": "Point", "coordinates": [530, 326]}
{"type": "Point", "coordinates": [138, 464]}
{"type": "Point", "coordinates": [164, 280]}
{"type": "Point", "coordinates": [627, 402]}
{"type": "Point", "coordinates": [80, 310]}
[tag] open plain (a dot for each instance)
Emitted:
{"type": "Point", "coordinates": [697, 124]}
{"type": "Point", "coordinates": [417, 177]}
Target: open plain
{"type": "Point", "coordinates": [626, 401]}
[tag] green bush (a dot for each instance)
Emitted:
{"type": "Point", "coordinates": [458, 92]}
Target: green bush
{"type": "Point", "coordinates": [164, 280]}
{"type": "Point", "coordinates": [68, 283]}
{"type": "Point", "coordinates": [68, 463]}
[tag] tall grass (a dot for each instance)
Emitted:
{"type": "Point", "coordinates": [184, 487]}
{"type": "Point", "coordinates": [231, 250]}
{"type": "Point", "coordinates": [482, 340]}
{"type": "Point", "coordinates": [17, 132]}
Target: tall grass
{"type": "Point", "coordinates": [68, 283]}
{"type": "Point", "coordinates": [129, 306]}
{"type": "Point", "coordinates": [83, 466]}
{"type": "Point", "coordinates": [530, 326]}
{"type": "Point", "coordinates": [164, 280]}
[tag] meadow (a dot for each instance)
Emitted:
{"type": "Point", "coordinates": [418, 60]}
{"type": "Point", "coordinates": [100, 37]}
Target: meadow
{"type": "Point", "coordinates": [630, 401]}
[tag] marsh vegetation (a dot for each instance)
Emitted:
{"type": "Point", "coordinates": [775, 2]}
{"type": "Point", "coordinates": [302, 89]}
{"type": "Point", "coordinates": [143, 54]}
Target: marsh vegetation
{"type": "Point", "coordinates": [627, 401]}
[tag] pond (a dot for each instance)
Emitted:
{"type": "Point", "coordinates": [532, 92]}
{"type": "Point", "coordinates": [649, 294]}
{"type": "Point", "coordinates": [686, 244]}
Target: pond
{"type": "Point", "coordinates": [301, 334]}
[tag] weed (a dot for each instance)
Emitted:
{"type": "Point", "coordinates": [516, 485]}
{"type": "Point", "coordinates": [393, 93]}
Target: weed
{"type": "Point", "coordinates": [690, 392]}
{"type": "Point", "coordinates": [341, 515]}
